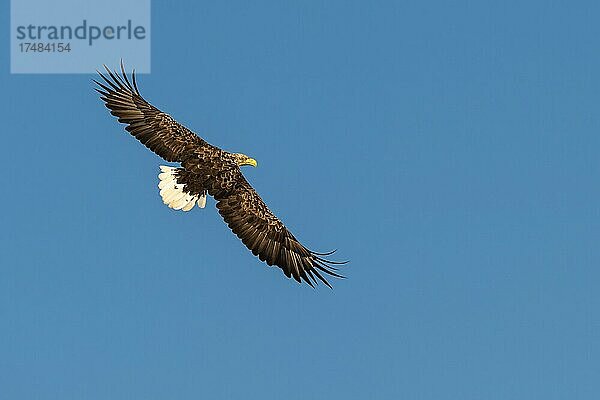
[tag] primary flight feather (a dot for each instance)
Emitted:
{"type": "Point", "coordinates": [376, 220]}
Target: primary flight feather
{"type": "Point", "coordinates": [209, 170]}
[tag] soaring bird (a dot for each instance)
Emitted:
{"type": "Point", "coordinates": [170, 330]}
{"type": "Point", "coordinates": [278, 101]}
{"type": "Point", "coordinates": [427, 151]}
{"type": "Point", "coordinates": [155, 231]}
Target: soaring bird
{"type": "Point", "coordinates": [208, 170]}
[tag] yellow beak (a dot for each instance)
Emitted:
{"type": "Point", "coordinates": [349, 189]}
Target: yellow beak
{"type": "Point", "coordinates": [251, 161]}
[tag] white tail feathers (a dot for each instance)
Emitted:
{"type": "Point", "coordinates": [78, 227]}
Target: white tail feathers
{"type": "Point", "coordinates": [172, 192]}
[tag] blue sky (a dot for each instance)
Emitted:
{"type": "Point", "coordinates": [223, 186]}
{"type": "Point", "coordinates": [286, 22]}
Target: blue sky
{"type": "Point", "coordinates": [450, 151]}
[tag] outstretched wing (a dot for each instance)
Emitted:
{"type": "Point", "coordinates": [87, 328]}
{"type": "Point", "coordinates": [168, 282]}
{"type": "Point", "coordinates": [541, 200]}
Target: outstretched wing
{"type": "Point", "coordinates": [155, 129]}
{"type": "Point", "coordinates": [267, 237]}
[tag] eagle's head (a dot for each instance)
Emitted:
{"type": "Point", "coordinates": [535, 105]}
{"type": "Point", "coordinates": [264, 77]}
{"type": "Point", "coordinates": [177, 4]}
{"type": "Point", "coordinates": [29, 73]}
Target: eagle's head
{"type": "Point", "coordinates": [242, 159]}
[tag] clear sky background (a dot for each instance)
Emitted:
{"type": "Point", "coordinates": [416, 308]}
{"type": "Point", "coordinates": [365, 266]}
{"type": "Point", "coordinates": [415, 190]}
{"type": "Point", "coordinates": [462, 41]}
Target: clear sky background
{"type": "Point", "coordinates": [450, 151]}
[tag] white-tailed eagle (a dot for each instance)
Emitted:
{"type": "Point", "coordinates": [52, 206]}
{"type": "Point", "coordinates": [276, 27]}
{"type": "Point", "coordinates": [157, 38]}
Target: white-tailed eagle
{"type": "Point", "coordinates": [208, 170]}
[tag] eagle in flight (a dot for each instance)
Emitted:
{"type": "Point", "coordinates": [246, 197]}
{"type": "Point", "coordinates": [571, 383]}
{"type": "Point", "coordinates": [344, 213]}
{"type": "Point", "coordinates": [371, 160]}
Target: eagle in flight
{"type": "Point", "coordinates": [208, 170]}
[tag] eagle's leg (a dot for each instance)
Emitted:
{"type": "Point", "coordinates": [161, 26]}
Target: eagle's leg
{"type": "Point", "coordinates": [179, 190]}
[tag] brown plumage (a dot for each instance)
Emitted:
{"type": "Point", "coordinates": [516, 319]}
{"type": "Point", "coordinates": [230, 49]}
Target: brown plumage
{"type": "Point", "coordinates": [208, 169]}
